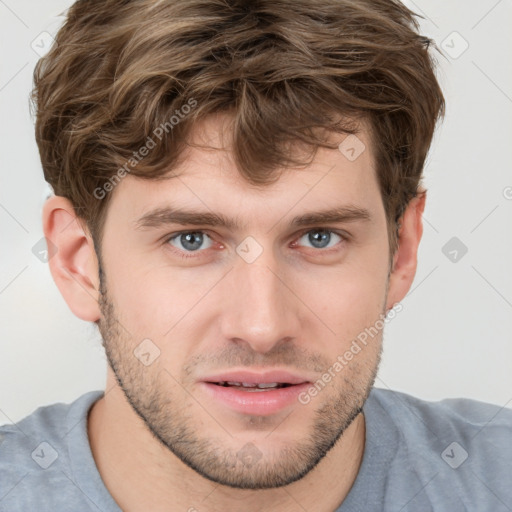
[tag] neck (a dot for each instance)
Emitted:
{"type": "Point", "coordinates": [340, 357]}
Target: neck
{"type": "Point", "coordinates": [141, 474]}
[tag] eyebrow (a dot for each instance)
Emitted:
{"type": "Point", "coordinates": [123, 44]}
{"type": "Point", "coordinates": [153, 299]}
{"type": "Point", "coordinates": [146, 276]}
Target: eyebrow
{"type": "Point", "coordinates": [168, 215]}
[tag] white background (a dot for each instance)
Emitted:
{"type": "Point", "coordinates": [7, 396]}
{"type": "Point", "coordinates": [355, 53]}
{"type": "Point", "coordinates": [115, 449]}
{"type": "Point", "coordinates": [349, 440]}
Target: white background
{"type": "Point", "coordinates": [453, 337]}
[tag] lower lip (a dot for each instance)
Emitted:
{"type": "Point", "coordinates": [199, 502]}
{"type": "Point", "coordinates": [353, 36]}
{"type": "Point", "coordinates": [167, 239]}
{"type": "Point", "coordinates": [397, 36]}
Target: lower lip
{"type": "Point", "coordinates": [262, 403]}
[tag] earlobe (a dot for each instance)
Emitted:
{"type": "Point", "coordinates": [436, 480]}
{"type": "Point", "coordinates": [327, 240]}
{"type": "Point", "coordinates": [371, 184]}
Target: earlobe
{"type": "Point", "coordinates": [405, 258]}
{"type": "Point", "coordinates": [73, 264]}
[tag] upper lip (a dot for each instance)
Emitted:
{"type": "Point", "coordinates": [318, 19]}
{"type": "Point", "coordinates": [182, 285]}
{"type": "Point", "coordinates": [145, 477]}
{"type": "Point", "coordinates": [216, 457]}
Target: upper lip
{"type": "Point", "coordinates": [264, 377]}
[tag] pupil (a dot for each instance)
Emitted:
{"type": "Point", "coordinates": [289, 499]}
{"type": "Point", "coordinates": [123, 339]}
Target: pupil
{"type": "Point", "coordinates": [318, 237]}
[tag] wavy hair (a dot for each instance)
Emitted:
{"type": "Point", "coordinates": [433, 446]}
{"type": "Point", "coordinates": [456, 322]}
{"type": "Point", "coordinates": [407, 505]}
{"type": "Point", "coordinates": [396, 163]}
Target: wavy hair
{"type": "Point", "coordinates": [289, 71]}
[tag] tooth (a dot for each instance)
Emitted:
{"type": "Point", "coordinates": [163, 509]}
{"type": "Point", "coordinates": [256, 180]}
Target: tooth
{"type": "Point", "coordinates": [250, 386]}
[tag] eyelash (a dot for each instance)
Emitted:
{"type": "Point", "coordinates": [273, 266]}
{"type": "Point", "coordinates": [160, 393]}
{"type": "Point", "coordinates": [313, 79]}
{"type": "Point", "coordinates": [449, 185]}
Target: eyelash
{"type": "Point", "coordinates": [194, 254]}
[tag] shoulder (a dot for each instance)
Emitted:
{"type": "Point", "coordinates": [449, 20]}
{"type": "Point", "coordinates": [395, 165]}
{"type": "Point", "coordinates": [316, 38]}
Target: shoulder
{"type": "Point", "coordinates": [34, 451]}
{"type": "Point", "coordinates": [459, 414]}
{"type": "Point", "coordinates": [475, 427]}
{"type": "Point", "coordinates": [458, 450]}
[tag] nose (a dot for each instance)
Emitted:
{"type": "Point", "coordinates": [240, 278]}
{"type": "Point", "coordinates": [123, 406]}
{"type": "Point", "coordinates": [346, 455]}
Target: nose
{"type": "Point", "coordinates": [262, 309]}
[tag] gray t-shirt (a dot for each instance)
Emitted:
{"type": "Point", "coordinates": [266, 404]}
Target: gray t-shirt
{"type": "Point", "coordinates": [453, 455]}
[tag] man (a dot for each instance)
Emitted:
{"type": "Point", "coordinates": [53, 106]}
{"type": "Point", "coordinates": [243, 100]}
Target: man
{"type": "Point", "coordinates": [238, 207]}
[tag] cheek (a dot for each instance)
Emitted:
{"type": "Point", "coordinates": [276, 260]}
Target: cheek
{"type": "Point", "coordinates": [347, 300]}
{"type": "Point", "coordinates": [157, 301]}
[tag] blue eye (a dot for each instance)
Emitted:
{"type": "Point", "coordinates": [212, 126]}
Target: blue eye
{"type": "Point", "coordinates": [191, 241]}
{"type": "Point", "coordinates": [188, 244]}
{"type": "Point", "coordinates": [321, 238]}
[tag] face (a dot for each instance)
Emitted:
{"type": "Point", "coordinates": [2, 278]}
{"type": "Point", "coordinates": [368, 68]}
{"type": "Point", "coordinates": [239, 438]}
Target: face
{"type": "Point", "coordinates": [185, 303]}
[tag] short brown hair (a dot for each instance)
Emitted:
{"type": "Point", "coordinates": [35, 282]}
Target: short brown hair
{"type": "Point", "coordinates": [289, 71]}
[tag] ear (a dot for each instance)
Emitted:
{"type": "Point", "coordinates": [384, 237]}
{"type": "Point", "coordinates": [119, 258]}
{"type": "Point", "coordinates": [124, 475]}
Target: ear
{"type": "Point", "coordinates": [72, 259]}
{"type": "Point", "coordinates": [405, 258]}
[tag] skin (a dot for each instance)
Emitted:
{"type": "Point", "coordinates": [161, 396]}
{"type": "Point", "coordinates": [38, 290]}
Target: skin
{"type": "Point", "coordinates": [158, 441]}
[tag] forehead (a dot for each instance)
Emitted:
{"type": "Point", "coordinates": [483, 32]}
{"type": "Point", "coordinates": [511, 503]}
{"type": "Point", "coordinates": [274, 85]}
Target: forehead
{"type": "Point", "coordinates": [208, 179]}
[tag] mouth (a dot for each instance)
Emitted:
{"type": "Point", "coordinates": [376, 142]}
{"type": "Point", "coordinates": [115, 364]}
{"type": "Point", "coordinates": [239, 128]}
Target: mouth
{"type": "Point", "coordinates": [263, 393]}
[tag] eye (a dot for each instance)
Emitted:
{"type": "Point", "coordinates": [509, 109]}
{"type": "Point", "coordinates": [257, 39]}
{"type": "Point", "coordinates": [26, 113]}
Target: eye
{"type": "Point", "coordinates": [189, 241]}
{"type": "Point", "coordinates": [321, 238]}
{"type": "Point", "coordinates": [186, 243]}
